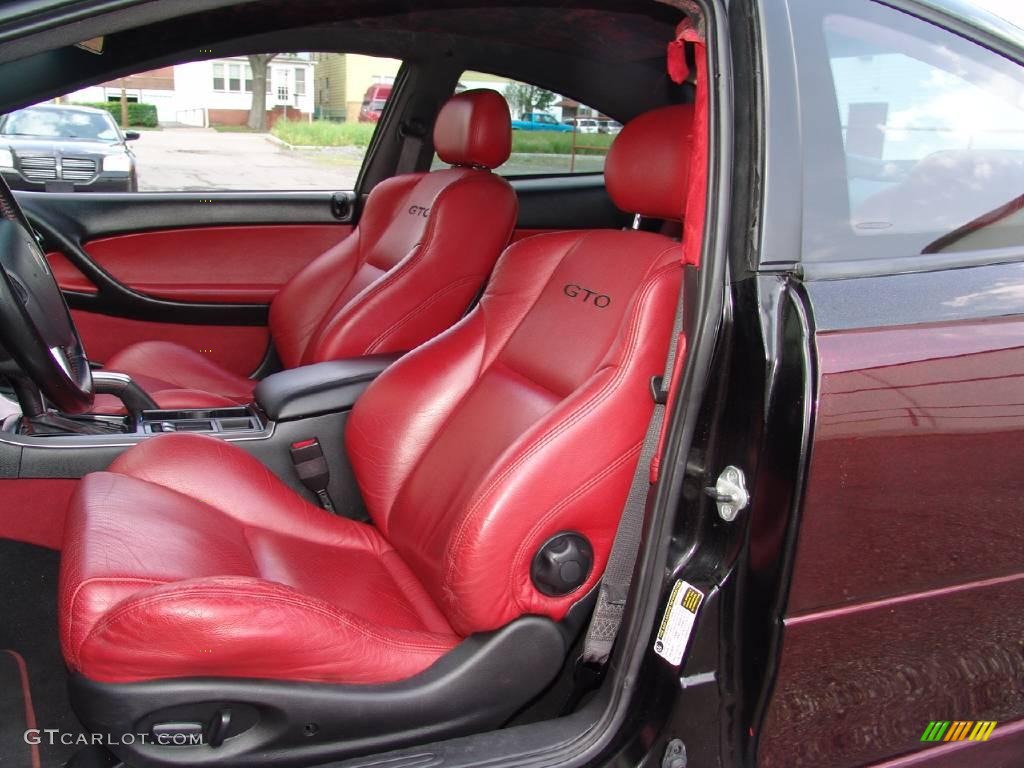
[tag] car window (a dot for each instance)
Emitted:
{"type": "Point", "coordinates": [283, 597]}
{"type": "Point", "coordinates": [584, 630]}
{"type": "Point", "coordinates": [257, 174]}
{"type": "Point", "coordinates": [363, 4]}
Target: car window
{"type": "Point", "coordinates": [284, 121]}
{"type": "Point", "coordinates": [931, 135]}
{"type": "Point", "coordinates": [551, 132]}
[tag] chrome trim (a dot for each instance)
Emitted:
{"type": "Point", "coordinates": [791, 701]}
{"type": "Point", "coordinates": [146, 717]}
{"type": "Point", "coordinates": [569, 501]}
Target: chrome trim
{"type": "Point", "coordinates": [118, 441]}
{"type": "Point", "coordinates": [61, 357]}
{"type": "Point", "coordinates": [122, 378]}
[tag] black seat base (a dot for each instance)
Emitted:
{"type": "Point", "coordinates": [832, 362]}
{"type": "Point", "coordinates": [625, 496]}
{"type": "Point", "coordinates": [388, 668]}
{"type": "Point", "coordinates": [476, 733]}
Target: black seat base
{"type": "Point", "coordinates": [478, 686]}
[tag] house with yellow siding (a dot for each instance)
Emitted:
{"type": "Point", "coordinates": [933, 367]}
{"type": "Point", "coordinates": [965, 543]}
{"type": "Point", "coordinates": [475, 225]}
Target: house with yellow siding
{"type": "Point", "coordinates": [342, 80]}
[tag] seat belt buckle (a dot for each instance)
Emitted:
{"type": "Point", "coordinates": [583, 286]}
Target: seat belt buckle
{"type": "Point", "coordinates": [658, 392]}
{"type": "Point", "coordinates": [311, 467]}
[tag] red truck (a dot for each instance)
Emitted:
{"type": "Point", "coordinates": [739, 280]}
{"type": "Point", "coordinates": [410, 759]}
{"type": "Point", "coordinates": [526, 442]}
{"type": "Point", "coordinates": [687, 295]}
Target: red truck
{"type": "Point", "coordinates": [374, 99]}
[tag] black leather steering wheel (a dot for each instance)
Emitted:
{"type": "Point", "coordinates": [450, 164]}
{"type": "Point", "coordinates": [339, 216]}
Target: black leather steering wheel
{"type": "Point", "coordinates": [36, 329]}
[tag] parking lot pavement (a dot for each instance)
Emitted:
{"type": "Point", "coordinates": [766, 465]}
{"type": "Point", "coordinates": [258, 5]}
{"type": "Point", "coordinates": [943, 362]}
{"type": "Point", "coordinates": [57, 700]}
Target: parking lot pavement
{"type": "Point", "coordinates": [201, 159]}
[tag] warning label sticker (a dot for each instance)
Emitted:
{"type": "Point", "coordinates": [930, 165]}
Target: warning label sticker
{"type": "Point", "coordinates": [677, 624]}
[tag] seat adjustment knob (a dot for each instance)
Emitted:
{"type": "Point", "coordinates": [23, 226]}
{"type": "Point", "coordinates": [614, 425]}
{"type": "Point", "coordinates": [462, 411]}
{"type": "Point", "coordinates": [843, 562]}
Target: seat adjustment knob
{"type": "Point", "coordinates": [562, 564]}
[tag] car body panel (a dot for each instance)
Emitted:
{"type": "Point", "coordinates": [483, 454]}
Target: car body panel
{"type": "Point", "coordinates": [907, 591]}
{"type": "Point", "coordinates": [374, 101]}
{"type": "Point", "coordinates": [905, 597]}
{"type": "Point", "coordinates": [539, 121]}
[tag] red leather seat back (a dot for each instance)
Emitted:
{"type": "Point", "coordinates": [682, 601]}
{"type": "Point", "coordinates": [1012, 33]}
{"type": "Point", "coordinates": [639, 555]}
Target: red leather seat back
{"type": "Point", "coordinates": [424, 245]}
{"type": "Point", "coordinates": [526, 419]}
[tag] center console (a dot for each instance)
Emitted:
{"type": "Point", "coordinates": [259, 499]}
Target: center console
{"type": "Point", "coordinates": [290, 408]}
{"type": "Point", "coordinates": [217, 421]}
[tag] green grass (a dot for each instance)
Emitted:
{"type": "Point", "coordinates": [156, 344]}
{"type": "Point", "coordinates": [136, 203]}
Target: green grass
{"type": "Point", "coordinates": [233, 129]}
{"type": "Point", "coordinates": [324, 133]}
{"type": "Point", "coordinates": [554, 143]}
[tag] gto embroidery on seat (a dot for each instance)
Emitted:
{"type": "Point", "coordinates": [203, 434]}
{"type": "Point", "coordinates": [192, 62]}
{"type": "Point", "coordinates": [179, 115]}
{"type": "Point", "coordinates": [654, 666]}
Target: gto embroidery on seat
{"type": "Point", "coordinates": [599, 300]}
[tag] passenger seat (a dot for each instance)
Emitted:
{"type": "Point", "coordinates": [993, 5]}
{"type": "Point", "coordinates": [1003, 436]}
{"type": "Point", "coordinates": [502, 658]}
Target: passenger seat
{"type": "Point", "coordinates": [424, 246]}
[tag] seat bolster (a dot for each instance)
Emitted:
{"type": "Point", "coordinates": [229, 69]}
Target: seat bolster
{"type": "Point", "coordinates": [248, 627]}
{"type": "Point", "coordinates": [429, 289]}
{"type": "Point", "coordinates": [164, 365]}
{"type": "Point", "coordinates": [301, 305]}
{"type": "Point", "coordinates": [166, 397]}
{"type": "Point", "coordinates": [242, 487]}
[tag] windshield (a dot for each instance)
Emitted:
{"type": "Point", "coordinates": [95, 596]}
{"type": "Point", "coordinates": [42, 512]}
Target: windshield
{"type": "Point", "coordinates": [60, 124]}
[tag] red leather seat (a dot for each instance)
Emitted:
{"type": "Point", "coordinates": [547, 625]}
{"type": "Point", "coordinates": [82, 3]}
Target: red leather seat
{"type": "Point", "coordinates": [425, 244]}
{"type": "Point", "coordinates": [187, 558]}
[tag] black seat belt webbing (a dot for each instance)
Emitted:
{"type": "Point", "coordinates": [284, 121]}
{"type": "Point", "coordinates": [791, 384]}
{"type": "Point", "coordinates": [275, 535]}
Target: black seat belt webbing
{"type": "Point", "coordinates": [413, 134]}
{"type": "Point", "coordinates": [618, 574]}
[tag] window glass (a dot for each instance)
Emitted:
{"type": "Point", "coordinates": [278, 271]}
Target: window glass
{"type": "Point", "coordinates": [203, 128]}
{"type": "Point", "coordinates": [551, 132]}
{"type": "Point", "coordinates": [931, 131]}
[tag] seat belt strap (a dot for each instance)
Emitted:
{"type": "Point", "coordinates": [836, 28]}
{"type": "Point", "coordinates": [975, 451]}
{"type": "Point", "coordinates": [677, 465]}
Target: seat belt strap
{"type": "Point", "coordinates": [618, 574]}
{"type": "Point", "coordinates": [611, 599]}
{"type": "Point", "coordinates": [413, 134]}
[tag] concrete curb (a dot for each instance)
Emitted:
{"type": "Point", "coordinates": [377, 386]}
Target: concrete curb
{"type": "Point", "coordinates": [309, 147]}
{"type": "Point", "coordinates": [314, 148]}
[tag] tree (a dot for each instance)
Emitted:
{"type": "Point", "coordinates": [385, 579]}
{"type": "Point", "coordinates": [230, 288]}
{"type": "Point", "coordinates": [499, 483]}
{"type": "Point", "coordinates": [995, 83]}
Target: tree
{"type": "Point", "coordinates": [528, 98]}
{"type": "Point", "coordinates": [259, 63]}
{"type": "Point", "coordinates": [124, 105]}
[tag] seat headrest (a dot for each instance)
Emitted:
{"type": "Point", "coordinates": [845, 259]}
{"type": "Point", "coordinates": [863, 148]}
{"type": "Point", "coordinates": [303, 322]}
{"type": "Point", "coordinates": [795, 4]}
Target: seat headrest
{"type": "Point", "coordinates": [474, 128]}
{"type": "Point", "coordinates": [648, 166]}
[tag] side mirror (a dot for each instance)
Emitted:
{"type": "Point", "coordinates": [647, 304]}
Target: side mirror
{"type": "Point", "coordinates": [132, 135]}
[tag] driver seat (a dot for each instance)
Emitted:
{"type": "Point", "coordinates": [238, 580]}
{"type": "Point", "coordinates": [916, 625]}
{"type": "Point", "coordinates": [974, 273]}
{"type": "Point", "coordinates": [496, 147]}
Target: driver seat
{"type": "Point", "coordinates": [199, 592]}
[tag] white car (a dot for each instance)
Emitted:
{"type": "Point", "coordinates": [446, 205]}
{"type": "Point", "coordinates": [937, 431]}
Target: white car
{"type": "Point", "coordinates": [586, 125]}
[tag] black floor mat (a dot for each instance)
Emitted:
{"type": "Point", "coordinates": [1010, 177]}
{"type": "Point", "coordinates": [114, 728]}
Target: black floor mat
{"type": "Point", "coordinates": [28, 626]}
{"type": "Point", "coordinates": [16, 714]}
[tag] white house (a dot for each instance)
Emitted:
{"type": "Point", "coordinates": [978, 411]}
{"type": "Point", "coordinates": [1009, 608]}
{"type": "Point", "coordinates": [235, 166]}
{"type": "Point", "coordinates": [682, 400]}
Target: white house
{"type": "Point", "coordinates": [216, 91]}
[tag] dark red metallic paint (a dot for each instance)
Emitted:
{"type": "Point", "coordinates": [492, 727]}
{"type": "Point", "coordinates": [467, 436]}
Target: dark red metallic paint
{"type": "Point", "coordinates": [907, 597]}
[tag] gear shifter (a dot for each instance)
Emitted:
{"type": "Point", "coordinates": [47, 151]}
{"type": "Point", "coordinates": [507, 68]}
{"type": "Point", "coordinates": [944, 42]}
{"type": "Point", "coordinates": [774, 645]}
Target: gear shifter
{"type": "Point", "coordinates": [127, 391]}
{"type": "Point", "coordinates": [41, 421]}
